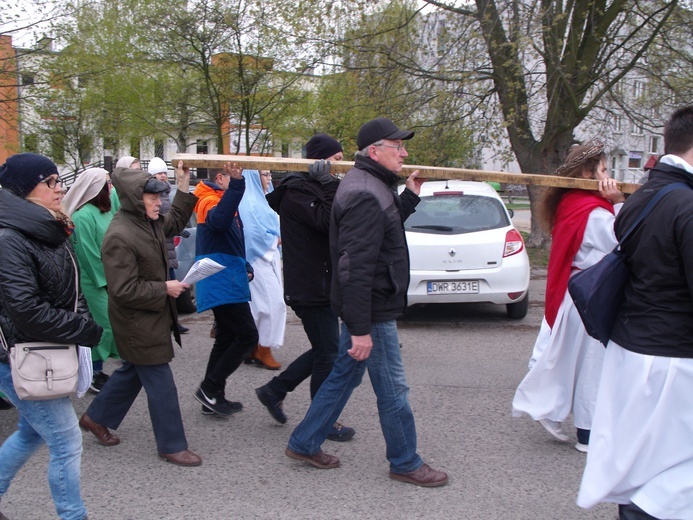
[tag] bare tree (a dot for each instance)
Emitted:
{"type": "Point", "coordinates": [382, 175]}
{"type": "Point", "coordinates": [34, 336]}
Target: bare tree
{"type": "Point", "coordinates": [531, 72]}
{"type": "Point", "coordinates": [234, 49]}
{"type": "Point", "coordinates": [558, 59]}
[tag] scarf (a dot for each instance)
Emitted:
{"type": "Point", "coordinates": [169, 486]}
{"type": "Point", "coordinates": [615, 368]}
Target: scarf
{"type": "Point", "coordinates": [568, 231]}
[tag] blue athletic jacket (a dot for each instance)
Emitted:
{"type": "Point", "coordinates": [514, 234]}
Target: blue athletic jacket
{"type": "Point", "coordinates": [220, 237]}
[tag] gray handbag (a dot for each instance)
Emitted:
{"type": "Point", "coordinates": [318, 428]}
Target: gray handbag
{"type": "Point", "coordinates": [44, 370]}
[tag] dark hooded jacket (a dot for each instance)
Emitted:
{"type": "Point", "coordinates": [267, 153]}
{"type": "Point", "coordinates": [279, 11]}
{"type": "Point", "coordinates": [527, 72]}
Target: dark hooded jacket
{"type": "Point", "coordinates": [136, 266]}
{"type": "Point", "coordinates": [304, 206]}
{"type": "Point", "coordinates": [37, 279]}
{"type": "Point", "coordinates": [655, 316]}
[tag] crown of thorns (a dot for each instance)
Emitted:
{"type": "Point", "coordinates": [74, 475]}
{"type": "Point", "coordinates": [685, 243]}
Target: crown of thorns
{"type": "Point", "coordinates": [595, 148]}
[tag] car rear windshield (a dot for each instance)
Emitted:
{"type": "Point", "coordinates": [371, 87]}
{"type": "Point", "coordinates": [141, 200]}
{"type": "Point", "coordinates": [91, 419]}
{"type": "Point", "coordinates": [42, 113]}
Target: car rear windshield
{"type": "Point", "coordinates": [456, 214]}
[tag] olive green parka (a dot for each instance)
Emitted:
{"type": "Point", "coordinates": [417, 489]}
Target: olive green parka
{"type": "Point", "coordinates": [135, 262]}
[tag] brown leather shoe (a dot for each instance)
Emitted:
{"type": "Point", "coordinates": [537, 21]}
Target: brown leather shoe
{"type": "Point", "coordinates": [100, 432]}
{"type": "Point", "coordinates": [263, 356]}
{"type": "Point", "coordinates": [320, 459]}
{"type": "Point", "coordinates": [425, 476]}
{"type": "Point", "coordinates": [182, 458]}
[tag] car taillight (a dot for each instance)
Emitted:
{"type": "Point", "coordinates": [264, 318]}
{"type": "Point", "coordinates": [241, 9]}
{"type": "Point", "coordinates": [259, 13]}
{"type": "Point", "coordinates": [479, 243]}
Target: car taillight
{"type": "Point", "coordinates": [176, 241]}
{"type": "Point", "coordinates": [513, 243]}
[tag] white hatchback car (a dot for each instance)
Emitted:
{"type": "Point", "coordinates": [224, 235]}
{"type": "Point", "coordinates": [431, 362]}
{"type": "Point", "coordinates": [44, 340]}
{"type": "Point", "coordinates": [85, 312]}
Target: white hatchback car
{"type": "Point", "coordinates": [463, 248]}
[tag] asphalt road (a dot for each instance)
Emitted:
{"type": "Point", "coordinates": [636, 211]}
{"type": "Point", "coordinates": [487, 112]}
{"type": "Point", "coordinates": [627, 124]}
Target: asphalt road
{"type": "Point", "coordinates": [463, 365]}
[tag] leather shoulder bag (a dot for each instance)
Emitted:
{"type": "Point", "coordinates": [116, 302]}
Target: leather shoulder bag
{"type": "Point", "coordinates": [44, 370]}
{"type": "Point", "coordinates": [599, 290]}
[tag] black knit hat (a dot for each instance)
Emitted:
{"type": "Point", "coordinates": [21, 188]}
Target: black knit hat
{"type": "Point", "coordinates": [22, 172]}
{"type": "Point", "coordinates": [380, 128]}
{"type": "Point", "coordinates": [322, 146]}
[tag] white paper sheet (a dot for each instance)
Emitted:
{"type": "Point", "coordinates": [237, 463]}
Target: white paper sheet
{"type": "Point", "coordinates": [85, 370]}
{"type": "Point", "coordinates": [201, 269]}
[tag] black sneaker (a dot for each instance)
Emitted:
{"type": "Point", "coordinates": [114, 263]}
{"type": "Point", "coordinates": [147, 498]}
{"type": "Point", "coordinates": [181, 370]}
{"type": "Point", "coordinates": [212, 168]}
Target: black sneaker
{"type": "Point", "coordinates": [235, 407]}
{"type": "Point", "coordinates": [272, 402]}
{"type": "Point", "coordinates": [341, 433]}
{"type": "Point", "coordinates": [216, 402]}
{"type": "Point", "coordinates": [5, 405]}
{"type": "Point", "coordinates": [182, 329]}
{"type": "Point", "coordinates": [97, 382]}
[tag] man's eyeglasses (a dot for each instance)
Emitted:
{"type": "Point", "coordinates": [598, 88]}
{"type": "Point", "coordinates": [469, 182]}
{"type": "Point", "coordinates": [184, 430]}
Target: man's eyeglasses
{"type": "Point", "coordinates": [397, 147]}
{"type": "Point", "coordinates": [52, 182]}
{"type": "Point", "coordinates": [267, 174]}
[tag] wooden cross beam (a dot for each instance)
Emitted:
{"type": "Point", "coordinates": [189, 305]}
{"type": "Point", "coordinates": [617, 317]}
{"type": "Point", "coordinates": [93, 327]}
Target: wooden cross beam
{"type": "Point", "coordinates": [250, 162]}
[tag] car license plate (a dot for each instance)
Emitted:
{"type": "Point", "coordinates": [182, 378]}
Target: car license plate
{"type": "Point", "coordinates": [454, 287]}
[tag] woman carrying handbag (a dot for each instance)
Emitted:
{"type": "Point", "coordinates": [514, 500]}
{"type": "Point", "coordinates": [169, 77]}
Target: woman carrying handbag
{"type": "Point", "coordinates": [37, 303]}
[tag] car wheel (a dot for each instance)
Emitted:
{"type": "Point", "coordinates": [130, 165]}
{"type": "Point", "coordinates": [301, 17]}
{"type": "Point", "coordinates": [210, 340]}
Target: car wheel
{"type": "Point", "coordinates": [186, 303]}
{"type": "Point", "coordinates": [518, 310]}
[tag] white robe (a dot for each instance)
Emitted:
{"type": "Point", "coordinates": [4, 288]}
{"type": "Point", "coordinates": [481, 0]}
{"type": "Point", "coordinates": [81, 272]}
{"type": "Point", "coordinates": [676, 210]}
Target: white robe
{"type": "Point", "coordinates": [641, 445]}
{"type": "Point", "coordinates": [566, 362]}
{"type": "Point", "coordinates": [267, 298]}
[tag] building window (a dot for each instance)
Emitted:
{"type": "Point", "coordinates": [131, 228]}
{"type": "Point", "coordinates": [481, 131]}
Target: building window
{"type": "Point", "coordinates": [159, 148]}
{"type": "Point", "coordinates": [636, 128]}
{"type": "Point", "coordinates": [109, 143]}
{"type": "Point", "coordinates": [31, 143]}
{"type": "Point", "coordinates": [618, 124]}
{"type": "Point", "coordinates": [202, 147]}
{"type": "Point", "coordinates": [614, 167]}
{"type": "Point", "coordinates": [135, 147]}
{"type": "Point", "coordinates": [27, 79]}
{"type": "Point", "coordinates": [638, 89]}
{"type": "Point", "coordinates": [635, 160]}
{"type": "Point", "coordinates": [654, 144]}
{"type": "Point", "coordinates": [58, 148]}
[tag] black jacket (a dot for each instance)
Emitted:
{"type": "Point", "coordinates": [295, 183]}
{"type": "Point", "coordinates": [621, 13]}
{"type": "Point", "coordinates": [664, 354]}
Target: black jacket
{"type": "Point", "coordinates": [656, 317]}
{"type": "Point", "coordinates": [304, 206]}
{"type": "Point", "coordinates": [37, 279]}
{"type": "Point", "coordinates": [368, 246]}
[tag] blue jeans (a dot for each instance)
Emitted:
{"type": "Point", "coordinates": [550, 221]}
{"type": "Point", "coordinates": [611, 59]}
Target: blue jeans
{"type": "Point", "coordinates": [322, 328]}
{"type": "Point", "coordinates": [54, 423]}
{"type": "Point", "coordinates": [386, 373]}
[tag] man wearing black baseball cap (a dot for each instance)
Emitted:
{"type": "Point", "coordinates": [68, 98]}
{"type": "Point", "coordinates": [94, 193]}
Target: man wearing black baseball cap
{"type": "Point", "coordinates": [378, 129]}
{"type": "Point", "coordinates": [369, 289]}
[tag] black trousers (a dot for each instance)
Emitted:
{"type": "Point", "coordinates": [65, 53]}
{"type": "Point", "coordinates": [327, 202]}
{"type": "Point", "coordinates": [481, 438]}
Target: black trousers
{"type": "Point", "coordinates": [322, 328]}
{"type": "Point", "coordinates": [236, 338]}
{"type": "Point", "coordinates": [633, 512]}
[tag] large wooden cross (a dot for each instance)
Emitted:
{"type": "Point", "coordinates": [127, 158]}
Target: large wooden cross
{"type": "Point", "coordinates": [251, 162]}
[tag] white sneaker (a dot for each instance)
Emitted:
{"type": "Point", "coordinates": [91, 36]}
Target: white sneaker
{"type": "Point", "coordinates": [555, 428]}
{"type": "Point", "coordinates": [581, 447]}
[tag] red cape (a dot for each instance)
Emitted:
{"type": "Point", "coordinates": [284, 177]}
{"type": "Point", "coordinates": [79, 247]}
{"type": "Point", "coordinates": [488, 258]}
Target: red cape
{"type": "Point", "coordinates": [568, 230]}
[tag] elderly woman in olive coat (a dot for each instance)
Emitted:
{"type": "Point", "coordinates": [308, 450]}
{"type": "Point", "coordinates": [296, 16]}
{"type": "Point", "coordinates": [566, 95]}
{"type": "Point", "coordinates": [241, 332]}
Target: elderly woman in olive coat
{"type": "Point", "coordinates": [141, 307]}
